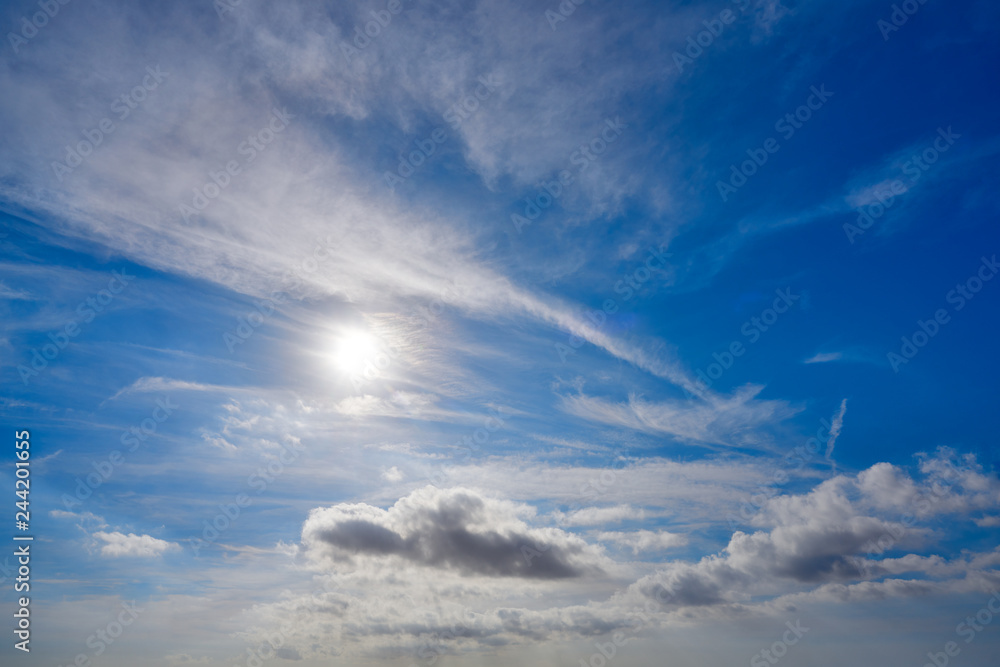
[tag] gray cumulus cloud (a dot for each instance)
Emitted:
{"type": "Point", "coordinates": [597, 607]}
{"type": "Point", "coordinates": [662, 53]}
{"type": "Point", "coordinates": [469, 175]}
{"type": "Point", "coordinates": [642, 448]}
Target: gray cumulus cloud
{"type": "Point", "coordinates": [456, 530]}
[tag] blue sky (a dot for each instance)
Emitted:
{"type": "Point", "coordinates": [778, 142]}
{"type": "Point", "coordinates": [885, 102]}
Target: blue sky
{"type": "Point", "coordinates": [514, 333]}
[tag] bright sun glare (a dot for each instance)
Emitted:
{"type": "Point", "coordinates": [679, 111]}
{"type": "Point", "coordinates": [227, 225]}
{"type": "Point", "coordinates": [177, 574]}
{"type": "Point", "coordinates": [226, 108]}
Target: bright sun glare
{"type": "Point", "coordinates": [354, 350]}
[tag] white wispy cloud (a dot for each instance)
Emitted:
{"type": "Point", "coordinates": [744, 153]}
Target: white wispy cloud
{"type": "Point", "coordinates": [403, 255]}
{"type": "Point", "coordinates": [13, 294]}
{"type": "Point", "coordinates": [145, 385]}
{"type": "Point", "coordinates": [835, 427]}
{"type": "Point", "coordinates": [644, 540]}
{"type": "Point", "coordinates": [824, 357]}
{"type": "Point", "coordinates": [716, 420]}
{"type": "Point", "coordinates": [597, 516]}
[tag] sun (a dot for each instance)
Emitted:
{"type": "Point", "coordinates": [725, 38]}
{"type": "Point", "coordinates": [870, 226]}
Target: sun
{"type": "Point", "coordinates": [354, 350]}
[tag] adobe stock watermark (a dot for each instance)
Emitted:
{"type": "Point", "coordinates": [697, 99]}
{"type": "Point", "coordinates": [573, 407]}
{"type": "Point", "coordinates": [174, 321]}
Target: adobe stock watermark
{"type": "Point", "coordinates": [274, 644]}
{"type": "Point", "coordinates": [435, 309]}
{"type": "Point", "coordinates": [380, 21]}
{"type": "Point", "coordinates": [456, 114]}
{"type": "Point", "coordinates": [259, 481]}
{"type": "Point", "coordinates": [627, 286]}
{"type": "Point", "coordinates": [294, 278]}
{"type": "Point", "coordinates": [605, 651]}
{"type": "Point", "coordinates": [562, 12]}
{"type": "Point", "coordinates": [697, 43]}
{"type": "Point", "coordinates": [963, 293]}
{"type": "Point", "coordinates": [589, 491]}
{"type": "Point", "coordinates": [123, 106]}
{"type": "Point", "coordinates": [474, 442]}
{"type": "Point", "coordinates": [803, 454]}
{"type": "Point", "coordinates": [431, 649]}
{"type": "Point", "coordinates": [596, 487]}
{"type": "Point", "coordinates": [223, 7]}
{"type": "Point", "coordinates": [608, 650]}
{"type": "Point", "coordinates": [132, 438]}
{"type": "Point", "coordinates": [29, 29]}
{"type": "Point", "coordinates": [967, 629]}
{"type": "Point", "coordinates": [247, 326]}
{"type": "Point", "coordinates": [777, 650]}
{"type": "Point", "coordinates": [376, 365]}
{"type": "Point", "coordinates": [787, 126]}
{"type": "Point", "coordinates": [914, 169]}
{"type": "Point", "coordinates": [581, 158]}
{"type": "Point", "coordinates": [104, 637]}
{"type": "Point", "coordinates": [901, 13]}
{"type": "Point", "coordinates": [220, 180]}
{"type": "Point", "coordinates": [752, 329]}
{"type": "Point", "coordinates": [271, 647]}
{"type": "Point", "coordinates": [87, 310]}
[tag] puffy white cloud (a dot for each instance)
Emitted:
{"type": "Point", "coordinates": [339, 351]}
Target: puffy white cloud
{"type": "Point", "coordinates": [441, 571]}
{"type": "Point", "coordinates": [141, 546]}
{"type": "Point", "coordinates": [393, 474]}
{"type": "Point", "coordinates": [828, 534]}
